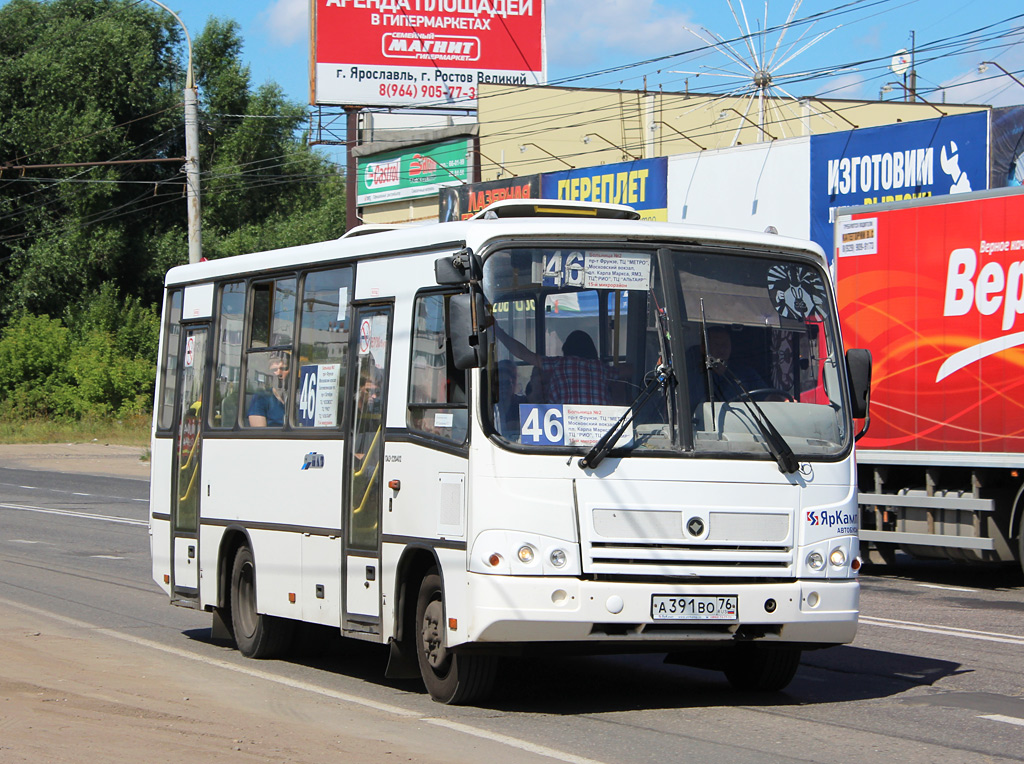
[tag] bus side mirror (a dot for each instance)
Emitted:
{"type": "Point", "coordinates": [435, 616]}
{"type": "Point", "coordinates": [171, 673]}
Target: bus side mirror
{"type": "Point", "coordinates": [460, 268]}
{"type": "Point", "coordinates": [467, 319]}
{"type": "Point", "coordinates": [858, 373]}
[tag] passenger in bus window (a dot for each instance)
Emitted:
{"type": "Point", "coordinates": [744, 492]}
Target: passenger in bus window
{"type": "Point", "coordinates": [268, 407]}
{"type": "Point", "coordinates": [576, 377]}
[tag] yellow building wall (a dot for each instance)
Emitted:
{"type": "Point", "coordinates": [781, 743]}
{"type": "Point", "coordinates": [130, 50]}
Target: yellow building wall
{"type": "Point", "coordinates": [525, 130]}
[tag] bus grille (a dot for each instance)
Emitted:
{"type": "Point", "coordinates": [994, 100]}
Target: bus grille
{"type": "Point", "coordinates": [644, 542]}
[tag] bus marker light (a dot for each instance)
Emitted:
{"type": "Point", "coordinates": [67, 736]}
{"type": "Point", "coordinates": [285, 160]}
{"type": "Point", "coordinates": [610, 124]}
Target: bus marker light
{"type": "Point", "coordinates": [291, 597]}
{"type": "Point", "coordinates": [855, 565]}
{"type": "Point", "coordinates": [453, 624]}
{"type": "Point", "coordinates": [494, 560]}
{"type": "Point", "coordinates": [167, 578]}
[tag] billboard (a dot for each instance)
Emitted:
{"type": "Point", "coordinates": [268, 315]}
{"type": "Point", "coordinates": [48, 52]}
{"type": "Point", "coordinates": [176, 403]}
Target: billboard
{"type": "Point", "coordinates": [641, 184]}
{"type": "Point", "coordinates": [936, 292]}
{"type": "Point", "coordinates": [892, 163]}
{"type": "Point", "coordinates": [411, 173]}
{"type": "Point", "coordinates": [747, 187]}
{"type": "Point", "coordinates": [424, 53]}
{"type": "Point", "coordinates": [463, 202]}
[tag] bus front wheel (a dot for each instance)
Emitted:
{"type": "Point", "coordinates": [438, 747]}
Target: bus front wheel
{"type": "Point", "coordinates": [764, 668]}
{"type": "Point", "coordinates": [256, 635]}
{"type": "Point", "coordinates": [450, 677]}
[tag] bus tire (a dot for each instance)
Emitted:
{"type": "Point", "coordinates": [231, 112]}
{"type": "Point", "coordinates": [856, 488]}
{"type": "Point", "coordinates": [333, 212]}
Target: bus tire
{"type": "Point", "coordinates": [256, 635]}
{"type": "Point", "coordinates": [450, 676]}
{"type": "Point", "coordinates": [763, 668]}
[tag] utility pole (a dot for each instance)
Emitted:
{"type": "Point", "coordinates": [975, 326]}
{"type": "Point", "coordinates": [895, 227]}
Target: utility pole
{"type": "Point", "coordinates": [195, 226]}
{"type": "Point", "coordinates": [912, 90]}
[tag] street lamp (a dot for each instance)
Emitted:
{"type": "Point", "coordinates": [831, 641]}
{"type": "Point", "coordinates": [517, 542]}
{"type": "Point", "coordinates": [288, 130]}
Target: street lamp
{"type": "Point", "coordinates": [654, 126]}
{"type": "Point", "coordinates": [588, 136]}
{"type": "Point", "coordinates": [983, 67]}
{"type": "Point", "coordinates": [522, 150]}
{"type": "Point", "coordinates": [724, 112]}
{"type": "Point", "coordinates": [887, 87]}
{"type": "Point", "coordinates": [195, 231]}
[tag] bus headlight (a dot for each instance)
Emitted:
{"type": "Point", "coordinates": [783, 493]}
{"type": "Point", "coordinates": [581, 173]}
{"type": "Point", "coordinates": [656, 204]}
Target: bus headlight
{"type": "Point", "coordinates": [837, 557]}
{"type": "Point", "coordinates": [815, 561]}
{"type": "Point", "coordinates": [505, 552]}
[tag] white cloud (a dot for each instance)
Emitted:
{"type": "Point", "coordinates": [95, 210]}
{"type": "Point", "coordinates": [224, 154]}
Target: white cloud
{"type": "Point", "coordinates": [287, 21]}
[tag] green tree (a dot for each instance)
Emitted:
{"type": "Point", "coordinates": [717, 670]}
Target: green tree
{"type": "Point", "coordinates": [100, 80]}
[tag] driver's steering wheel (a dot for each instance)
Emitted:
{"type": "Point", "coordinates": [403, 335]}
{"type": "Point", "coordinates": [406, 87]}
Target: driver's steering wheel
{"type": "Point", "coordinates": [771, 393]}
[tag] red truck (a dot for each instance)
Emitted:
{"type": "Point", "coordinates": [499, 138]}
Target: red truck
{"type": "Point", "coordinates": [934, 288]}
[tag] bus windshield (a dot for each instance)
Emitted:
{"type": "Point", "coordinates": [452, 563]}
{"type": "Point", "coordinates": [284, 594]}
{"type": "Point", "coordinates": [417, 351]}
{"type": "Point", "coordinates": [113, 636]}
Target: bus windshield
{"type": "Point", "coordinates": [580, 334]}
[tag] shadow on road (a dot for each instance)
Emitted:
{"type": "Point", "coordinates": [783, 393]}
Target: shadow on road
{"type": "Point", "coordinates": [993, 577]}
{"type": "Point", "coordinates": [601, 684]}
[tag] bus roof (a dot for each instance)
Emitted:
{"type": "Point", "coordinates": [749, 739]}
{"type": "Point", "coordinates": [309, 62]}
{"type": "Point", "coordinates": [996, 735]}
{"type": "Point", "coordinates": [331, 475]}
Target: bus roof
{"type": "Point", "coordinates": [477, 232]}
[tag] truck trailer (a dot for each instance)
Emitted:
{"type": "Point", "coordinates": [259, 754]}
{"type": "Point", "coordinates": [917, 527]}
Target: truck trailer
{"type": "Point", "coordinates": [934, 287]}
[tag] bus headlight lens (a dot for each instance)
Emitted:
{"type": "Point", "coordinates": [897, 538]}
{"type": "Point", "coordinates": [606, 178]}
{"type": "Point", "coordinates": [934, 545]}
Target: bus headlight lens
{"type": "Point", "coordinates": [837, 557]}
{"type": "Point", "coordinates": [815, 561]}
{"type": "Point", "coordinates": [558, 558]}
{"type": "Point", "coordinates": [526, 554]}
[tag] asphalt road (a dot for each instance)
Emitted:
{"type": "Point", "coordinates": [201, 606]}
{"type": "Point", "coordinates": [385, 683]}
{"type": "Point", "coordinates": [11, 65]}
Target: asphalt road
{"type": "Point", "coordinates": [935, 674]}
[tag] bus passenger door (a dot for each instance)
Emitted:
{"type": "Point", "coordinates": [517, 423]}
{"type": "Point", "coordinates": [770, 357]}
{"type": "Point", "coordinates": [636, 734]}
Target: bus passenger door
{"type": "Point", "coordinates": [186, 479]}
{"type": "Point", "coordinates": [365, 469]}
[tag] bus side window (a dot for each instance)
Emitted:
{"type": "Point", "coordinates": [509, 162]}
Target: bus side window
{"type": "Point", "coordinates": [323, 347]}
{"type": "Point", "coordinates": [437, 390]}
{"type": "Point", "coordinates": [169, 374]}
{"type": "Point", "coordinates": [269, 368]}
{"type": "Point", "coordinates": [230, 319]}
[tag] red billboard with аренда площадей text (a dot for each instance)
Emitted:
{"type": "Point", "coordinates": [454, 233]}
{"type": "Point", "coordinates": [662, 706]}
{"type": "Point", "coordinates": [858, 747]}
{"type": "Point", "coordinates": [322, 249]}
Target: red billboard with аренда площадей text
{"type": "Point", "coordinates": [936, 292]}
{"type": "Point", "coordinates": [424, 53]}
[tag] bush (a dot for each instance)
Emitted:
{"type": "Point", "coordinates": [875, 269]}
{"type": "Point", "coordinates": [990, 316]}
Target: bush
{"type": "Point", "coordinates": [102, 366]}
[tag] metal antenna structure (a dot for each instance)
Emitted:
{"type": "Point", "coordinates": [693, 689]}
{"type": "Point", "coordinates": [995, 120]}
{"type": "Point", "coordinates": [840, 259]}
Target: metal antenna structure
{"type": "Point", "coordinates": [757, 59]}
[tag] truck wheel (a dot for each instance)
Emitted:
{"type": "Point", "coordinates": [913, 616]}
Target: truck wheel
{"type": "Point", "coordinates": [1020, 545]}
{"type": "Point", "coordinates": [764, 668]}
{"type": "Point", "coordinates": [450, 676]}
{"type": "Point", "coordinates": [256, 635]}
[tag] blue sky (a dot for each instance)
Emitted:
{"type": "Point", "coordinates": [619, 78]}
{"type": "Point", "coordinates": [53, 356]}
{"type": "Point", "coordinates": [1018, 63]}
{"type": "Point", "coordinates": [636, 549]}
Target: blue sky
{"type": "Point", "coordinates": [587, 36]}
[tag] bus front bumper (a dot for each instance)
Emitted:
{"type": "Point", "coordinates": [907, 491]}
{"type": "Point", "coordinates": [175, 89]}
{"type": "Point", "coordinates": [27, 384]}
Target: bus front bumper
{"type": "Point", "coordinates": [536, 609]}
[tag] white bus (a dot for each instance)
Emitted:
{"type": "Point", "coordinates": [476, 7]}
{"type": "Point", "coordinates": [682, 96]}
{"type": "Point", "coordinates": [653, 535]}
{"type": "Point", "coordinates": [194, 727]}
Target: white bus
{"type": "Point", "coordinates": [551, 427]}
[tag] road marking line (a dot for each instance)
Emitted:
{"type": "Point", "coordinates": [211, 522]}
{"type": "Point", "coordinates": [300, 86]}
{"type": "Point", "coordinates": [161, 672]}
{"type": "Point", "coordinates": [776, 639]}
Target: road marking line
{"type": "Point", "coordinates": [522, 745]}
{"type": "Point", "coordinates": [105, 557]}
{"type": "Point", "coordinates": [75, 493]}
{"type": "Point", "coordinates": [1004, 719]}
{"type": "Point", "coordinates": [948, 631]}
{"type": "Point", "coordinates": [72, 513]}
{"type": "Point", "coordinates": [948, 588]}
{"type": "Point", "coordinates": [540, 750]}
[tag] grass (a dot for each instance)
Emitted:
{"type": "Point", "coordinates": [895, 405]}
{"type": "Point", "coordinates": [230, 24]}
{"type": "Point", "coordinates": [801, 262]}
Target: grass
{"type": "Point", "coordinates": [133, 431]}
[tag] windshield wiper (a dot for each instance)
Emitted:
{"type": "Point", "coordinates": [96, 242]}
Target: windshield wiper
{"type": "Point", "coordinates": [777, 445]}
{"type": "Point", "coordinates": [662, 376]}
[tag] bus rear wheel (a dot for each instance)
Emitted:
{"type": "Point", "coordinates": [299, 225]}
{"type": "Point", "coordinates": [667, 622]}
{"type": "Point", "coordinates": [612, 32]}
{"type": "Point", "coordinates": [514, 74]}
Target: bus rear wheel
{"type": "Point", "coordinates": [256, 635]}
{"type": "Point", "coordinates": [450, 676]}
{"type": "Point", "coordinates": [763, 668]}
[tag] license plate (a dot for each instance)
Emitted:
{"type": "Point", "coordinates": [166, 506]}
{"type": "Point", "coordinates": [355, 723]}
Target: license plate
{"type": "Point", "coordinates": [722, 607]}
